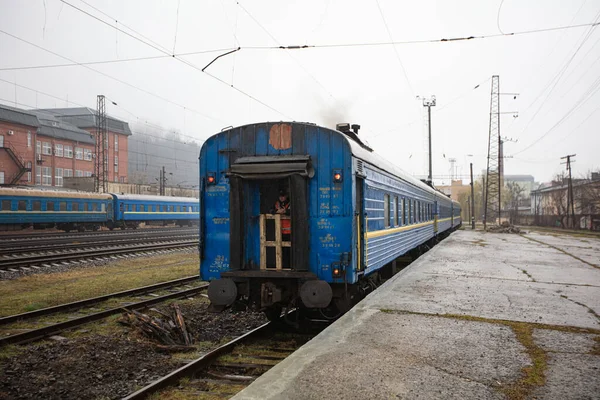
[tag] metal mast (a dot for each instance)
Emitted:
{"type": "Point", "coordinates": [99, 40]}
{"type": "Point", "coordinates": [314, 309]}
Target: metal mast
{"type": "Point", "coordinates": [101, 161]}
{"type": "Point", "coordinates": [493, 189]}
{"type": "Point", "coordinates": [430, 102]}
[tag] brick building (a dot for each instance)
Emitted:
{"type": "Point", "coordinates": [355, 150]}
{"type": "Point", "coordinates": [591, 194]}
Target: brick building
{"type": "Point", "coordinates": [41, 147]}
{"type": "Point", "coordinates": [118, 134]}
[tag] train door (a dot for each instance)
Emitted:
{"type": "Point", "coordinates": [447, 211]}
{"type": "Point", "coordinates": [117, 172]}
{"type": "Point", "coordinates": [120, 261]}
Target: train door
{"type": "Point", "coordinates": [260, 238]}
{"type": "Point", "coordinates": [360, 224]}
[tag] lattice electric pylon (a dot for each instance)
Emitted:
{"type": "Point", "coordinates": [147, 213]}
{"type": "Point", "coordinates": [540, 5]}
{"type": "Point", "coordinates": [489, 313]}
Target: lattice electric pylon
{"type": "Point", "coordinates": [493, 207]}
{"type": "Point", "coordinates": [101, 160]}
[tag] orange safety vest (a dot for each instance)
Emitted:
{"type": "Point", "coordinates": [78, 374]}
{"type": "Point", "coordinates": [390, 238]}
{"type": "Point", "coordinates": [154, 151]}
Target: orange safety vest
{"type": "Point", "coordinates": [286, 224]}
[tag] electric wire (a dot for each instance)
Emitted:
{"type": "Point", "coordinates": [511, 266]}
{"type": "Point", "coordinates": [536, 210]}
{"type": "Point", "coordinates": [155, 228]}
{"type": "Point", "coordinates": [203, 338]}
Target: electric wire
{"type": "Point", "coordinates": [147, 43]}
{"type": "Point", "coordinates": [389, 33]}
{"type": "Point", "coordinates": [113, 78]}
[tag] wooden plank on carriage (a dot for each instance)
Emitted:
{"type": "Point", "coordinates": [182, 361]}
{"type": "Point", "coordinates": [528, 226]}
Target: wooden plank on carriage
{"type": "Point", "coordinates": [263, 240]}
{"type": "Point", "coordinates": [278, 252]}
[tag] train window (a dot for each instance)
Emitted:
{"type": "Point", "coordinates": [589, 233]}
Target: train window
{"type": "Point", "coordinates": [85, 207]}
{"type": "Point", "coordinates": [386, 210]}
{"type": "Point", "coordinates": [22, 205]}
{"type": "Point", "coordinates": [62, 206]}
{"type": "Point", "coordinates": [103, 207]}
{"type": "Point", "coordinates": [94, 206]}
{"type": "Point", "coordinates": [37, 205]}
{"type": "Point", "coordinates": [141, 208]}
{"type": "Point", "coordinates": [6, 205]}
{"type": "Point", "coordinates": [50, 206]}
{"type": "Point", "coordinates": [129, 207]}
{"type": "Point", "coordinates": [412, 212]}
{"type": "Point", "coordinates": [190, 209]}
{"type": "Point", "coordinates": [396, 212]}
{"type": "Point", "coordinates": [109, 208]}
{"type": "Point", "coordinates": [75, 207]}
{"type": "Point", "coordinates": [169, 208]}
{"type": "Point", "coordinates": [121, 207]}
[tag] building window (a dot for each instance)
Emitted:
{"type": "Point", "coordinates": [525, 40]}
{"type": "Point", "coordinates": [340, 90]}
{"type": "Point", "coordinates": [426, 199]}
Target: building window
{"type": "Point", "coordinates": [46, 176]}
{"type": "Point", "coordinates": [87, 174]}
{"type": "Point", "coordinates": [58, 177]}
{"type": "Point", "coordinates": [58, 150]}
{"type": "Point", "coordinates": [28, 139]}
{"type": "Point", "coordinates": [68, 173]}
{"type": "Point", "coordinates": [1, 177]}
{"type": "Point", "coordinates": [78, 173]}
{"type": "Point", "coordinates": [87, 154]}
{"type": "Point", "coordinates": [38, 176]}
{"type": "Point", "coordinates": [116, 143]}
{"type": "Point", "coordinates": [116, 164]}
{"type": "Point", "coordinates": [29, 172]}
{"type": "Point", "coordinates": [68, 151]}
{"type": "Point", "coordinates": [78, 153]}
{"type": "Point", "coordinates": [47, 149]}
{"type": "Point", "coordinates": [386, 210]}
{"type": "Point", "coordinates": [38, 147]}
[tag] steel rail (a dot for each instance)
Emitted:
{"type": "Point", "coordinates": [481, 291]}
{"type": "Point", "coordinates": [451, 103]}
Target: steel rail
{"type": "Point", "coordinates": [193, 367]}
{"type": "Point", "coordinates": [94, 300]}
{"type": "Point", "coordinates": [9, 240]}
{"type": "Point", "coordinates": [28, 248]}
{"type": "Point", "coordinates": [44, 259]}
{"type": "Point", "coordinates": [37, 334]}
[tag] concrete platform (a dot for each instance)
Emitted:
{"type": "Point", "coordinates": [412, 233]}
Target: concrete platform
{"type": "Point", "coordinates": [480, 316]}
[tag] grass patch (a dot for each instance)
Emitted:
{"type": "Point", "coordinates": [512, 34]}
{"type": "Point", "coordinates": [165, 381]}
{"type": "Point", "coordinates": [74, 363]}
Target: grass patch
{"type": "Point", "coordinates": [480, 243]}
{"type": "Point", "coordinates": [533, 375]}
{"type": "Point", "coordinates": [45, 290]}
{"type": "Point", "coordinates": [9, 351]}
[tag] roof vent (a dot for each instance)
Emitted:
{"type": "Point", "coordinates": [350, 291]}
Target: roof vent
{"type": "Point", "coordinates": [352, 133]}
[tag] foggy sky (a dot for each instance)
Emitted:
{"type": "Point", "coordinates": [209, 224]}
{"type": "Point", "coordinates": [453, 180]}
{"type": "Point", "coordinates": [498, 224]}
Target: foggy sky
{"type": "Point", "coordinates": [370, 85]}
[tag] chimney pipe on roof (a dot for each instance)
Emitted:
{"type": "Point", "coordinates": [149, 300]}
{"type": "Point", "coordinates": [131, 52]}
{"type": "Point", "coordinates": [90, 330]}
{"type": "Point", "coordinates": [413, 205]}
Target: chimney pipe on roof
{"type": "Point", "coordinates": [355, 128]}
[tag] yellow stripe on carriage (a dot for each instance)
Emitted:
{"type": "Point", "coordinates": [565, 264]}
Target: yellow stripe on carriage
{"type": "Point", "coordinates": [390, 231]}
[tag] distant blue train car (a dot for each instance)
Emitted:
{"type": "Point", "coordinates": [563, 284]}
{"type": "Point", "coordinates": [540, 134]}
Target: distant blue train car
{"type": "Point", "coordinates": [131, 210]}
{"type": "Point", "coordinates": [48, 208]}
{"type": "Point", "coordinates": [351, 214]}
{"type": "Point", "coordinates": [22, 207]}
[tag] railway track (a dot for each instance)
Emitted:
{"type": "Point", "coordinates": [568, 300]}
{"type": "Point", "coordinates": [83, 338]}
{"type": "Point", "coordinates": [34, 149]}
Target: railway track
{"type": "Point", "coordinates": [180, 288]}
{"type": "Point", "coordinates": [66, 256]}
{"type": "Point", "coordinates": [228, 369]}
{"type": "Point", "coordinates": [44, 246]}
{"type": "Point", "coordinates": [19, 241]}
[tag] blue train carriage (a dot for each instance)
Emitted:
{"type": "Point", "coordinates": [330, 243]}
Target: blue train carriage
{"type": "Point", "coordinates": [23, 208]}
{"type": "Point", "coordinates": [131, 210]}
{"type": "Point", "coordinates": [352, 213]}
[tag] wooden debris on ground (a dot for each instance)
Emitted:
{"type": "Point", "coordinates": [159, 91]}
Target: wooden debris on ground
{"type": "Point", "coordinates": [169, 330]}
{"type": "Point", "coordinates": [505, 227]}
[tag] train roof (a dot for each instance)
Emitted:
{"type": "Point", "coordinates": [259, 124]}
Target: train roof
{"type": "Point", "coordinates": [166, 199]}
{"type": "Point", "coordinates": [53, 193]}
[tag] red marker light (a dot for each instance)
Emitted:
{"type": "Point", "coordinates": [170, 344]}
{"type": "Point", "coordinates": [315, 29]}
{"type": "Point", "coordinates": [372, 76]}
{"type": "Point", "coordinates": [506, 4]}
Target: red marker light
{"type": "Point", "coordinates": [337, 177]}
{"type": "Point", "coordinates": [211, 180]}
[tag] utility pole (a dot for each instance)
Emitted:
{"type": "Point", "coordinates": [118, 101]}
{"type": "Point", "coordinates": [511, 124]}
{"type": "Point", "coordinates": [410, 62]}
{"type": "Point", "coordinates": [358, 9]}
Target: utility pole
{"type": "Point", "coordinates": [163, 181]}
{"type": "Point", "coordinates": [570, 199]}
{"type": "Point", "coordinates": [472, 205]}
{"type": "Point", "coordinates": [160, 182]}
{"type": "Point", "coordinates": [430, 102]}
{"type": "Point", "coordinates": [101, 161]}
{"type": "Point", "coordinates": [495, 162]}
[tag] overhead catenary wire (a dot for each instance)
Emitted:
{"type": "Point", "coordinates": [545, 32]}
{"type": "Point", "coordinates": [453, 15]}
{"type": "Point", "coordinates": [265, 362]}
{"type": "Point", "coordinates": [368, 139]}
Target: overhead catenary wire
{"type": "Point", "coordinates": [113, 78]}
{"type": "Point", "coordinates": [158, 48]}
{"type": "Point", "coordinates": [389, 33]}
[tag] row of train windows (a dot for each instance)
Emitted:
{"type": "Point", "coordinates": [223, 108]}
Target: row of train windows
{"type": "Point", "coordinates": [36, 205]}
{"type": "Point", "coordinates": [158, 208]}
{"type": "Point", "coordinates": [406, 211]}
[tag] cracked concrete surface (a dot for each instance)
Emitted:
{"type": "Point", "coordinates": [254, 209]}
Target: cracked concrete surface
{"type": "Point", "coordinates": [394, 353]}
